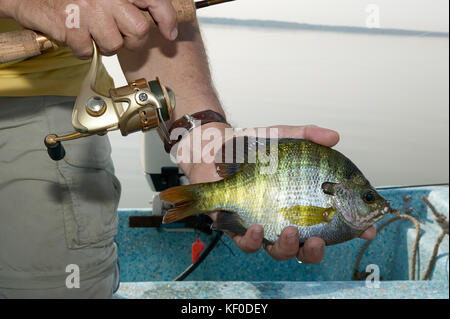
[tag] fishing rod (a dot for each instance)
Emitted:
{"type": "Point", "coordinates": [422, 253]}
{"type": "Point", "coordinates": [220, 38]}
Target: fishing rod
{"type": "Point", "coordinates": [207, 3]}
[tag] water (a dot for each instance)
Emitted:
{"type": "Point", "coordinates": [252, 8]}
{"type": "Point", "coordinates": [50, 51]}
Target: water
{"type": "Point", "coordinates": [387, 96]}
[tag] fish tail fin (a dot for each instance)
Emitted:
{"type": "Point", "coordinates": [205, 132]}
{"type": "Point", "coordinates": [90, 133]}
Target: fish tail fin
{"type": "Point", "coordinates": [185, 200]}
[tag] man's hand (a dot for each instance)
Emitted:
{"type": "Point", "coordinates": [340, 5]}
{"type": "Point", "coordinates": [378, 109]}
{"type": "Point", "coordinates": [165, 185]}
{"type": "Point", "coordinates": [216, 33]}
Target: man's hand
{"type": "Point", "coordinates": [113, 24]}
{"type": "Point", "coordinates": [287, 246]}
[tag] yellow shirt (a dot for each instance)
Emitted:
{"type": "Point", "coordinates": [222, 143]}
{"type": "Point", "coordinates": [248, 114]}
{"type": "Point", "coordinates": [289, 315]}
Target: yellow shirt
{"type": "Point", "coordinates": [56, 72]}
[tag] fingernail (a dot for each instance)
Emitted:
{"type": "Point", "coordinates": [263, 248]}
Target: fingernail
{"type": "Point", "coordinates": [174, 34]}
{"type": "Point", "coordinates": [257, 233]}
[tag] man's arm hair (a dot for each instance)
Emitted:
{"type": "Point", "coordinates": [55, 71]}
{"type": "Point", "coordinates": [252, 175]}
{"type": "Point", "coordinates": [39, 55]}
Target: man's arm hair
{"type": "Point", "coordinates": [181, 65]}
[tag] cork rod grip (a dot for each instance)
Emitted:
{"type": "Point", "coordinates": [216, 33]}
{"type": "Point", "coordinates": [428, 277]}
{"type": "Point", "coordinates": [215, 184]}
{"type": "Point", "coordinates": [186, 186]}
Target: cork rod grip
{"type": "Point", "coordinates": [18, 45]}
{"type": "Point", "coordinates": [23, 44]}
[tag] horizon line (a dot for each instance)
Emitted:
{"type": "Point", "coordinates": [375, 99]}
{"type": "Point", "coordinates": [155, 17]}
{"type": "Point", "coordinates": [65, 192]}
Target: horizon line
{"type": "Point", "coordinates": [283, 25]}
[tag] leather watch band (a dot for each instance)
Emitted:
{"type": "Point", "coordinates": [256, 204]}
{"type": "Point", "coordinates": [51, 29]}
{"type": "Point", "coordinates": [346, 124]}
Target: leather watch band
{"type": "Point", "coordinates": [189, 122]}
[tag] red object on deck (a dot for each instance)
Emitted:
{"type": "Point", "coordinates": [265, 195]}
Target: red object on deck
{"type": "Point", "coordinates": [197, 249]}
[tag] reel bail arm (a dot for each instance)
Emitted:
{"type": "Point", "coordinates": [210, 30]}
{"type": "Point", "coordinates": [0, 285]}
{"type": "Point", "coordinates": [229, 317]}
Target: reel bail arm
{"type": "Point", "coordinates": [138, 106]}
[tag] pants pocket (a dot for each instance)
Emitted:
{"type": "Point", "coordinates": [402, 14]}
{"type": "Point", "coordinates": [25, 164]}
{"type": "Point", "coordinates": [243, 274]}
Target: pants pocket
{"type": "Point", "coordinates": [90, 207]}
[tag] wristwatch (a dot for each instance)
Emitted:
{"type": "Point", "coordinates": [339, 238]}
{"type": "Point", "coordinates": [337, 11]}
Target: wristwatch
{"type": "Point", "coordinates": [189, 122]}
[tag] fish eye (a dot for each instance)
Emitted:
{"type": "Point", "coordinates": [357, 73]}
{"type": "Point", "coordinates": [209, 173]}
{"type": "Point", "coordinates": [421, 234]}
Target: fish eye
{"type": "Point", "coordinates": [369, 196]}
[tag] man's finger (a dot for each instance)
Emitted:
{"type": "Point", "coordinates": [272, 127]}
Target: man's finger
{"type": "Point", "coordinates": [286, 247]}
{"type": "Point", "coordinates": [251, 241]}
{"type": "Point", "coordinates": [312, 251]}
{"type": "Point", "coordinates": [164, 15]}
{"type": "Point", "coordinates": [80, 42]}
{"type": "Point", "coordinates": [313, 133]}
{"type": "Point", "coordinates": [106, 35]}
{"type": "Point", "coordinates": [133, 24]}
{"type": "Point", "coordinates": [321, 135]}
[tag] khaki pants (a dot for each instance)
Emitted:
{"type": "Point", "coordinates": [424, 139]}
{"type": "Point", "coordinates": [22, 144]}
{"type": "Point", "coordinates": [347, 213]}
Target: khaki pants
{"type": "Point", "coordinates": [57, 219]}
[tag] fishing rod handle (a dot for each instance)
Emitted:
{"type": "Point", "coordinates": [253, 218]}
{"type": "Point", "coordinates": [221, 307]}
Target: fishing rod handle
{"type": "Point", "coordinates": [23, 44]}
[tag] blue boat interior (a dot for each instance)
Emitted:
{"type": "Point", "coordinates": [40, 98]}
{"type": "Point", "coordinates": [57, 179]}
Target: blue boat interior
{"type": "Point", "coordinates": [150, 258]}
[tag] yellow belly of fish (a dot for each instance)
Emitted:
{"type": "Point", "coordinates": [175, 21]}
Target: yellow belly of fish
{"type": "Point", "coordinates": [307, 215]}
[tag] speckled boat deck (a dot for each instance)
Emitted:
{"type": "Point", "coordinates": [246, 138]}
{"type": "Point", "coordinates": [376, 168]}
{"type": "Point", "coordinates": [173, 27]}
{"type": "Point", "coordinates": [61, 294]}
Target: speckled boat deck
{"type": "Point", "coordinates": [284, 290]}
{"type": "Point", "coordinates": [151, 258]}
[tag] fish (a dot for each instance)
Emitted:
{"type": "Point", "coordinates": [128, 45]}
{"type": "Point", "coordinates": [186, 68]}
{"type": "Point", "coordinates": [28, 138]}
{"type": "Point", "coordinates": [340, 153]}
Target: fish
{"type": "Point", "coordinates": [312, 187]}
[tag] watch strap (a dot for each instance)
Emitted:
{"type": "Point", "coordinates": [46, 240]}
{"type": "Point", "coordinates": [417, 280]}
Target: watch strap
{"type": "Point", "coordinates": [189, 122]}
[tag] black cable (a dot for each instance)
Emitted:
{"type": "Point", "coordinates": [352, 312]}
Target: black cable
{"type": "Point", "coordinates": [202, 257]}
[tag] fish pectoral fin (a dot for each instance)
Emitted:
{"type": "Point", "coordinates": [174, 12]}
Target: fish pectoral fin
{"type": "Point", "coordinates": [229, 221]}
{"type": "Point", "coordinates": [307, 215]}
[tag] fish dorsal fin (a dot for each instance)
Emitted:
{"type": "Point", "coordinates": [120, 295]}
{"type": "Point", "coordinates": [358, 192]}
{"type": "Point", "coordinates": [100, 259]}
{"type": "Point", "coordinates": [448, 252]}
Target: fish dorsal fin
{"type": "Point", "coordinates": [227, 169]}
{"type": "Point", "coordinates": [244, 149]}
{"type": "Point", "coordinates": [307, 215]}
{"type": "Point", "coordinates": [233, 153]}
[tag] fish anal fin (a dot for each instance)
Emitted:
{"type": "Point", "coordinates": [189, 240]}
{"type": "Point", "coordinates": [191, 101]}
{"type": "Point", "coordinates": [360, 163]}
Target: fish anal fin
{"type": "Point", "coordinates": [307, 215]}
{"type": "Point", "coordinates": [229, 221]}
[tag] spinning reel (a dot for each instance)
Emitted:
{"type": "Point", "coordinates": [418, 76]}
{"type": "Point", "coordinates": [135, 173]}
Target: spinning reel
{"type": "Point", "coordinates": [139, 106]}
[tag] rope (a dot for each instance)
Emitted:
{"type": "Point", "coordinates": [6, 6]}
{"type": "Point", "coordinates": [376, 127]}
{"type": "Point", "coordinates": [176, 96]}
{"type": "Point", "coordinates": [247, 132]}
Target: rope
{"type": "Point", "coordinates": [357, 275]}
{"type": "Point", "coordinates": [441, 220]}
{"type": "Point", "coordinates": [427, 274]}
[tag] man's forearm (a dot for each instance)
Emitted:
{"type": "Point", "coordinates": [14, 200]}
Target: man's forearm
{"type": "Point", "coordinates": [181, 65]}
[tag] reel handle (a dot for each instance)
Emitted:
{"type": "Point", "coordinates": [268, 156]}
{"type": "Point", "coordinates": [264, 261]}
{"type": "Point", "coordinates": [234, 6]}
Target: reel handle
{"type": "Point", "coordinates": [56, 151]}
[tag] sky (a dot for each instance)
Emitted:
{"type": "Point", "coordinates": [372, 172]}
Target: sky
{"type": "Point", "coordinates": [427, 15]}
